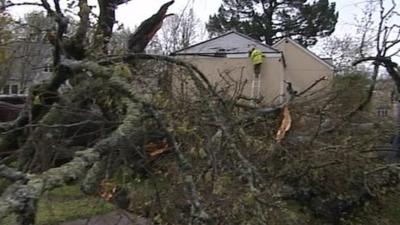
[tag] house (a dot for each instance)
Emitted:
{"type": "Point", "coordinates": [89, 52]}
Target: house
{"type": "Point", "coordinates": [285, 61]}
{"type": "Point", "coordinates": [30, 66]}
{"type": "Point", "coordinates": [303, 67]}
{"type": "Point", "coordinates": [384, 103]}
{"type": "Point", "coordinates": [14, 92]}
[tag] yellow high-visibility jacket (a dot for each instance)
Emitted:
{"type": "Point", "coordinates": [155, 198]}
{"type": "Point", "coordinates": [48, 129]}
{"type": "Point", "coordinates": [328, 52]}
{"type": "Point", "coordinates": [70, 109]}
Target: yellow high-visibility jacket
{"type": "Point", "coordinates": [256, 56]}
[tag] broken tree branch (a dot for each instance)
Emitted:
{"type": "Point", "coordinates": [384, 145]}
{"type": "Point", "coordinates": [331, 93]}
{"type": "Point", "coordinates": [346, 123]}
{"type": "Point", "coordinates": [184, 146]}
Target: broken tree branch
{"type": "Point", "coordinates": [144, 33]}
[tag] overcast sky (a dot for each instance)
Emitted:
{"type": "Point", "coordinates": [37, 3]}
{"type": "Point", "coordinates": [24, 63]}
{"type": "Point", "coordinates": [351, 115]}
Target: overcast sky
{"type": "Point", "coordinates": [134, 12]}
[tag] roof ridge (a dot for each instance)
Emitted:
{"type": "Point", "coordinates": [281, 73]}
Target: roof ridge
{"type": "Point", "coordinates": [202, 42]}
{"type": "Point", "coordinates": [311, 53]}
{"type": "Point", "coordinates": [225, 34]}
{"type": "Point", "coordinates": [252, 39]}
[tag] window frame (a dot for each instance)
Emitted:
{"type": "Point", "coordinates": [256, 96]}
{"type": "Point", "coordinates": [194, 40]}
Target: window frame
{"type": "Point", "coordinates": [6, 90]}
{"type": "Point", "coordinates": [14, 91]}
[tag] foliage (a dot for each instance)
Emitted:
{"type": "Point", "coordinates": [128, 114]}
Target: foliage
{"type": "Point", "coordinates": [5, 49]}
{"type": "Point", "coordinates": [270, 20]}
{"type": "Point", "coordinates": [359, 81]}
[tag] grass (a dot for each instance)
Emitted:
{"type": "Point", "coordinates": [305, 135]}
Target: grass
{"type": "Point", "coordinates": [391, 209]}
{"type": "Point", "coordinates": [68, 203]}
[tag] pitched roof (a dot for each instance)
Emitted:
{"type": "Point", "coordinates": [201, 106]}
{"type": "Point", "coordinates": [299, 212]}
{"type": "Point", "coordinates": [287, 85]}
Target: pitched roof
{"type": "Point", "coordinates": [312, 54]}
{"type": "Point", "coordinates": [229, 43]}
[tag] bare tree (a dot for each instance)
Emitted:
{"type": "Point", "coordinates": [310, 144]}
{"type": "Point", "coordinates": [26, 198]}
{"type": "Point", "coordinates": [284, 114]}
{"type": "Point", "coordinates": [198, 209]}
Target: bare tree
{"type": "Point", "coordinates": [32, 51]}
{"type": "Point", "coordinates": [179, 31]}
{"type": "Point", "coordinates": [6, 53]}
{"type": "Point", "coordinates": [342, 50]}
{"type": "Point", "coordinates": [383, 36]}
{"type": "Point", "coordinates": [119, 41]}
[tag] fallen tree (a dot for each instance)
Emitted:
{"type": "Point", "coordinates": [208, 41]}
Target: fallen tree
{"type": "Point", "coordinates": [147, 117]}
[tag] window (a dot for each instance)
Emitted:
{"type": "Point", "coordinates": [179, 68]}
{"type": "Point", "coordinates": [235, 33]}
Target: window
{"type": "Point", "coordinates": [10, 89]}
{"type": "Point", "coordinates": [14, 89]}
{"type": "Point", "coordinates": [48, 68]}
{"type": "Point", "coordinates": [6, 89]}
{"type": "Point", "coordinates": [382, 112]}
{"type": "Point", "coordinates": [220, 53]}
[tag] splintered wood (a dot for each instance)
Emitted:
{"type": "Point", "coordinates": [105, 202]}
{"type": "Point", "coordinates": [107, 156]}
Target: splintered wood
{"type": "Point", "coordinates": [156, 149]}
{"type": "Point", "coordinates": [285, 125]}
{"type": "Point", "coordinates": [107, 190]}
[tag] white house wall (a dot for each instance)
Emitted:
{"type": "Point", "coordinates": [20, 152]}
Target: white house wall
{"type": "Point", "coordinates": [303, 68]}
{"type": "Point", "coordinates": [241, 69]}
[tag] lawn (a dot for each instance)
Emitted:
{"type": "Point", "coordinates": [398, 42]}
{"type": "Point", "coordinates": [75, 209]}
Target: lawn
{"type": "Point", "coordinates": [66, 204]}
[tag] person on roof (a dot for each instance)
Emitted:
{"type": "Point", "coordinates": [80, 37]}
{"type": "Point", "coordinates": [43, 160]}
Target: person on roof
{"type": "Point", "coordinates": [256, 57]}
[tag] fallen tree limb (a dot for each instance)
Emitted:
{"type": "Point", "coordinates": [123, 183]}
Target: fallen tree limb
{"type": "Point", "coordinates": [12, 174]}
{"type": "Point", "coordinates": [323, 78]}
{"type": "Point", "coordinates": [197, 211]}
{"type": "Point", "coordinates": [198, 77]}
{"type": "Point", "coordinates": [21, 198]}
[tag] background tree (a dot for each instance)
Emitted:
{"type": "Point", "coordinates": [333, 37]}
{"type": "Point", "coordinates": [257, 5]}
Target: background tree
{"type": "Point", "coordinates": [6, 37]}
{"type": "Point", "coordinates": [178, 31]}
{"type": "Point", "coordinates": [269, 20]}
{"type": "Point", "coordinates": [32, 50]}
{"type": "Point", "coordinates": [342, 50]}
{"type": "Point", "coordinates": [379, 41]}
{"type": "Point", "coordinates": [119, 40]}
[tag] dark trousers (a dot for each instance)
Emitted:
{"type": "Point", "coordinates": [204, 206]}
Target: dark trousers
{"type": "Point", "coordinates": [257, 69]}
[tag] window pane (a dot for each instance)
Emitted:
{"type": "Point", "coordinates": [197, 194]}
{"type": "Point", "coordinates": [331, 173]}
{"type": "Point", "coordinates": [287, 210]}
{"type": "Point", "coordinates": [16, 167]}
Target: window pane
{"type": "Point", "coordinates": [6, 89]}
{"type": "Point", "coordinates": [383, 112]}
{"type": "Point", "coordinates": [14, 89]}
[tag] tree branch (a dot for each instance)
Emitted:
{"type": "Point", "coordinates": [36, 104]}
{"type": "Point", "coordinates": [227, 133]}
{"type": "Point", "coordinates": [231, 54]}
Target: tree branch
{"type": "Point", "coordinates": [12, 174]}
{"type": "Point", "coordinates": [144, 33]}
{"type": "Point", "coordinates": [22, 198]}
{"type": "Point", "coordinates": [11, 4]}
